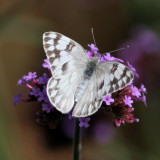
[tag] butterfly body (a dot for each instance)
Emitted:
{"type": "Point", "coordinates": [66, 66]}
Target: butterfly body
{"type": "Point", "coordinates": [78, 83]}
{"type": "Point", "coordinates": [87, 74]}
{"type": "Point", "coordinates": [91, 66]}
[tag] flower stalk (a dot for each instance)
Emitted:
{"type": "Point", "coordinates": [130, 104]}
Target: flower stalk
{"type": "Point", "coordinates": [76, 140]}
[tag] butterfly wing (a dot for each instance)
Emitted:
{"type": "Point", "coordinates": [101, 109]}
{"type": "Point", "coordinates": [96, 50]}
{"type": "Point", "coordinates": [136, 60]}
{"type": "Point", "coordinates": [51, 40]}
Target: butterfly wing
{"type": "Point", "coordinates": [116, 76]}
{"type": "Point", "coordinates": [67, 60]}
{"type": "Point", "coordinates": [107, 78]}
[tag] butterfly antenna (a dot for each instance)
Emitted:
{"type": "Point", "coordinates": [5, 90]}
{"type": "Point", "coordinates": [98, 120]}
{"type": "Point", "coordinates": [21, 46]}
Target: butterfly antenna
{"type": "Point", "coordinates": [119, 49]}
{"type": "Point", "coordinates": [93, 37]}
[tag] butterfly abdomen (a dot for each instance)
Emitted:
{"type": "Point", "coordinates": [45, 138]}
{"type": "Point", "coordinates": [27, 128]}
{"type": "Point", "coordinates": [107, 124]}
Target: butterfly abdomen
{"type": "Point", "coordinates": [87, 74]}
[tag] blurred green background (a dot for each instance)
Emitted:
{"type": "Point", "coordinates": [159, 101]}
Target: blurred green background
{"type": "Point", "coordinates": [22, 24]}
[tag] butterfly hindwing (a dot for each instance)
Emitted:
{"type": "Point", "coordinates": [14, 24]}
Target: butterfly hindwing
{"type": "Point", "coordinates": [60, 93]}
{"type": "Point", "coordinates": [88, 104]}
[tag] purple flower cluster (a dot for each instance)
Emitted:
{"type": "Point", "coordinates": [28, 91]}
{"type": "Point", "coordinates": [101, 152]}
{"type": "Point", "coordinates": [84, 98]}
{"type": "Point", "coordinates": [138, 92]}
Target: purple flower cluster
{"type": "Point", "coordinates": [120, 103]}
{"type": "Point", "coordinates": [123, 106]}
{"type": "Point", "coordinates": [36, 90]}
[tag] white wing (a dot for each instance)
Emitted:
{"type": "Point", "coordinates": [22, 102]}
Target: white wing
{"type": "Point", "coordinates": [68, 61]}
{"type": "Point", "coordinates": [114, 76]}
{"type": "Point", "coordinates": [107, 78]}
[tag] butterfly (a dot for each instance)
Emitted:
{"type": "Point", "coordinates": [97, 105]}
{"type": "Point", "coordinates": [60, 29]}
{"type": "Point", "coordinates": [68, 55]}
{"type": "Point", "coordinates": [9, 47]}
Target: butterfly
{"type": "Point", "coordinates": [78, 83]}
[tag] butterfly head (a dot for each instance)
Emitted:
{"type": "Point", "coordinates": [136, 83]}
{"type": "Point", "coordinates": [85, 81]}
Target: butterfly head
{"type": "Point", "coordinates": [95, 60]}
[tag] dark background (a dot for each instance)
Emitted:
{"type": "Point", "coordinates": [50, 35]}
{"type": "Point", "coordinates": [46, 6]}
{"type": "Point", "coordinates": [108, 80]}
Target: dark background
{"type": "Point", "coordinates": [115, 23]}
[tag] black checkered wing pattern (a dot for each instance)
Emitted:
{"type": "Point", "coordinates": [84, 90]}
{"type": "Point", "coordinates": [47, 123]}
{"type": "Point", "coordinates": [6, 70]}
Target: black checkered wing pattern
{"type": "Point", "coordinates": [112, 76]}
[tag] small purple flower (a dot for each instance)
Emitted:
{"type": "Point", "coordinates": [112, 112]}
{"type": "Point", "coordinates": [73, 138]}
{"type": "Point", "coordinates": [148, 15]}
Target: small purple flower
{"type": "Point", "coordinates": [96, 54]}
{"type": "Point", "coordinates": [35, 92]}
{"type": "Point", "coordinates": [133, 70]}
{"type": "Point", "coordinates": [93, 51]}
{"type": "Point", "coordinates": [84, 122]}
{"type": "Point", "coordinates": [143, 89]}
{"type": "Point", "coordinates": [108, 57]}
{"type": "Point", "coordinates": [16, 99]}
{"type": "Point", "coordinates": [93, 47]}
{"type": "Point", "coordinates": [128, 101]}
{"type": "Point", "coordinates": [108, 99]}
{"type": "Point", "coordinates": [46, 64]}
{"type": "Point", "coordinates": [30, 76]}
{"type": "Point", "coordinates": [135, 91]}
{"type": "Point", "coordinates": [44, 79]}
{"type": "Point", "coordinates": [90, 54]}
{"type": "Point", "coordinates": [102, 59]}
{"type": "Point", "coordinates": [21, 81]}
{"type": "Point", "coordinates": [46, 107]}
{"type": "Point", "coordinates": [43, 96]}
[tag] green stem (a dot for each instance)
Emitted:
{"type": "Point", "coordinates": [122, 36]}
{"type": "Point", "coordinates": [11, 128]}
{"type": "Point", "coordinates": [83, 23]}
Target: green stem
{"type": "Point", "coordinates": [76, 141]}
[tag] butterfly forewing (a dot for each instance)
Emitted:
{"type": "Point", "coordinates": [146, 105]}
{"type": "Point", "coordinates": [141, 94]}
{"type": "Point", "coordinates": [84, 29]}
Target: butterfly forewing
{"type": "Point", "coordinates": [61, 49]}
{"type": "Point", "coordinates": [115, 76]}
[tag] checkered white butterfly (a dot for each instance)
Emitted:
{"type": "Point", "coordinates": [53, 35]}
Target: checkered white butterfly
{"type": "Point", "coordinates": [78, 84]}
